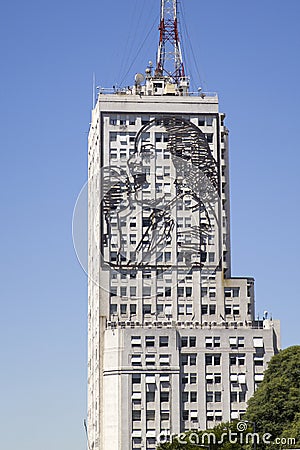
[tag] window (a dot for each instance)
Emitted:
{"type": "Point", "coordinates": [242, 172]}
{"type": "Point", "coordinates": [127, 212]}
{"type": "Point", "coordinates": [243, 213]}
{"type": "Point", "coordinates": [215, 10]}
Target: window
{"type": "Point", "coordinates": [203, 291]}
{"type": "Point", "coordinates": [242, 396]}
{"type": "Point", "coordinates": [146, 273]}
{"type": "Point", "coordinates": [209, 121]}
{"type": "Point", "coordinates": [136, 377]}
{"type": "Point", "coordinates": [147, 309]}
{"type": "Point", "coordinates": [228, 310]}
{"type": "Point", "coordinates": [188, 291]}
{"type": "Point", "coordinates": [150, 360]}
{"type": "Point", "coordinates": [189, 309]}
{"type": "Point", "coordinates": [146, 291]}
{"type": "Point", "coordinates": [236, 310]}
{"type": "Point", "coordinates": [150, 396]}
{"type": "Point", "coordinates": [241, 342]}
{"type": "Point", "coordinates": [193, 397]}
{"type": "Point", "coordinates": [211, 342]}
{"type": "Point", "coordinates": [180, 291]}
{"type": "Point", "coordinates": [217, 378]}
{"type": "Point", "coordinates": [164, 360]}
{"type": "Point", "coordinates": [167, 256]}
{"type": "Point", "coordinates": [204, 309]}
{"type": "Point", "coordinates": [237, 360]}
{"type": "Point", "coordinates": [184, 360]}
{"type": "Point", "coordinates": [132, 238]}
{"type": "Point", "coordinates": [180, 309]}
{"type": "Point", "coordinates": [212, 292]}
{"type": "Point", "coordinates": [212, 309]}
{"type": "Point", "coordinates": [212, 360]}
{"type": "Point", "coordinates": [163, 341]}
{"type": "Point", "coordinates": [209, 397]}
{"type": "Point", "coordinates": [209, 138]}
{"type": "Point", "coordinates": [193, 378]}
{"type": "Point", "coordinates": [136, 415]}
{"type": "Point", "coordinates": [123, 309]}
{"type": "Point", "coordinates": [167, 292]}
{"type": "Point", "coordinates": [136, 360]}
{"type": "Point", "coordinates": [113, 291]}
{"type": "Point", "coordinates": [258, 360]}
{"type": "Point", "coordinates": [233, 397]}
{"type": "Point", "coordinates": [193, 360]}
{"type": "Point", "coordinates": [185, 415]}
{"type": "Point", "coordinates": [194, 416]}
{"type": "Point", "coordinates": [150, 341]}
{"type": "Point", "coordinates": [164, 396]}
{"type": "Point", "coordinates": [258, 342]}
{"type": "Point", "coordinates": [192, 341]}
{"type": "Point", "coordinates": [211, 257]}
{"type": "Point", "coordinates": [133, 309]}
{"type": "Point", "coordinates": [218, 397]}
{"type": "Point", "coordinates": [123, 291]}
{"type": "Point", "coordinates": [150, 414]}
{"type": "Point", "coordinates": [217, 342]}
{"type": "Point", "coordinates": [113, 308]}
{"type": "Point", "coordinates": [185, 397]}
{"type": "Point", "coordinates": [184, 341]}
{"type": "Point", "coordinates": [165, 415]}
{"type": "Point", "coordinates": [132, 291]}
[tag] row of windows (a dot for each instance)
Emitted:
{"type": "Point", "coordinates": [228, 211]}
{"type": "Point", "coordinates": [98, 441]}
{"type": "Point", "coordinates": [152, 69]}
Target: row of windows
{"type": "Point", "coordinates": [150, 360]}
{"type": "Point", "coordinates": [150, 415]}
{"type": "Point", "coordinates": [131, 120]}
{"type": "Point", "coordinates": [210, 342]}
{"type": "Point", "coordinates": [161, 309]}
{"type": "Point", "coordinates": [150, 341]}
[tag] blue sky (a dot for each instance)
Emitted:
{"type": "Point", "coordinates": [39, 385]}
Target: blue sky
{"type": "Point", "coordinates": [246, 51]}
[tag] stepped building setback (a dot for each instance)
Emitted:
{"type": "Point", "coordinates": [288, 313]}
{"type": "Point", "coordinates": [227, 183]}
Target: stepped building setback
{"type": "Point", "coordinates": [173, 339]}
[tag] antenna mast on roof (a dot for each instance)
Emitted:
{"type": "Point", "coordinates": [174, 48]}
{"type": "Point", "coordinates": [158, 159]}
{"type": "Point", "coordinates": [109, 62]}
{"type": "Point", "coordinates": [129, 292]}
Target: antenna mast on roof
{"type": "Point", "coordinates": [169, 56]}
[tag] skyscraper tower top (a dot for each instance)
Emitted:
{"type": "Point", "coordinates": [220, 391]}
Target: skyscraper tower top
{"type": "Point", "coordinates": [169, 55]}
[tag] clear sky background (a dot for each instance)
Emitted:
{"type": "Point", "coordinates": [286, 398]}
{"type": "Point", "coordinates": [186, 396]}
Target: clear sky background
{"type": "Point", "coordinates": [247, 51]}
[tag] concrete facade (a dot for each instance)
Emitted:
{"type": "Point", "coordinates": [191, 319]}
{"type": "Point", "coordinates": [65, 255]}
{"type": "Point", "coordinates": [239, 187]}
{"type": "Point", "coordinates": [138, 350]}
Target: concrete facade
{"type": "Point", "coordinates": [173, 340]}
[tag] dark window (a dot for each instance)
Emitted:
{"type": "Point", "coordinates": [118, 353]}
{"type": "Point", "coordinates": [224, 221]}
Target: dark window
{"type": "Point", "coordinates": [123, 309]}
{"type": "Point", "coordinates": [204, 309]}
{"type": "Point", "coordinates": [184, 342]}
{"type": "Point", "coordinates": [132, 309]}
{"type": "Point", "coordinates": [192, 341]}
{"type": "Point", "coordinates": [150, 341]}
{"type": "Point", "coordinates": [163, 341]}
{"type": "Point", "coordinates": [233, 396]}
{"type": "Point", "coordinates": [150, 396]}
{"type": "Point", "coordinates": [185, 415]}
{"type": "Point", "coordinates": [136, 415]}
{"type": "Point", "coordinates": [218, 396]}
{"type": "Point", "coordinates": [188, 291]}
{"type": "Point", "coordinates": [136, 378]}
{"type": "Point", "coordinates": [164, 396]}
{"type": "Point", "coordinates": [212, 309]}
{"type": "Point", "coordinates": [193, 397]}
{"type": "Point", "coordinates": [193, 360]}
{"type": "Point", "coordinates": [147, 309]}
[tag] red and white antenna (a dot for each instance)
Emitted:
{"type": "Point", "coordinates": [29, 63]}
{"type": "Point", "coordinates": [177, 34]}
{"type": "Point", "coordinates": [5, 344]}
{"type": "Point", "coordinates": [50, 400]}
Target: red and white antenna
{"type": "Point", "coordinates": [169, 56]}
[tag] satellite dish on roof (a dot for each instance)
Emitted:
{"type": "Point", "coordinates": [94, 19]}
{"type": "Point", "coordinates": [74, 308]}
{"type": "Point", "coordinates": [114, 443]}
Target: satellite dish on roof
{"type": "Point", "coordinates": [139, 78]}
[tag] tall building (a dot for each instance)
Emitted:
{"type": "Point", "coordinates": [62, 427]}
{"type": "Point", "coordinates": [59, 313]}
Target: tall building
{"type": "Point", "coordinates": [173, 339]}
